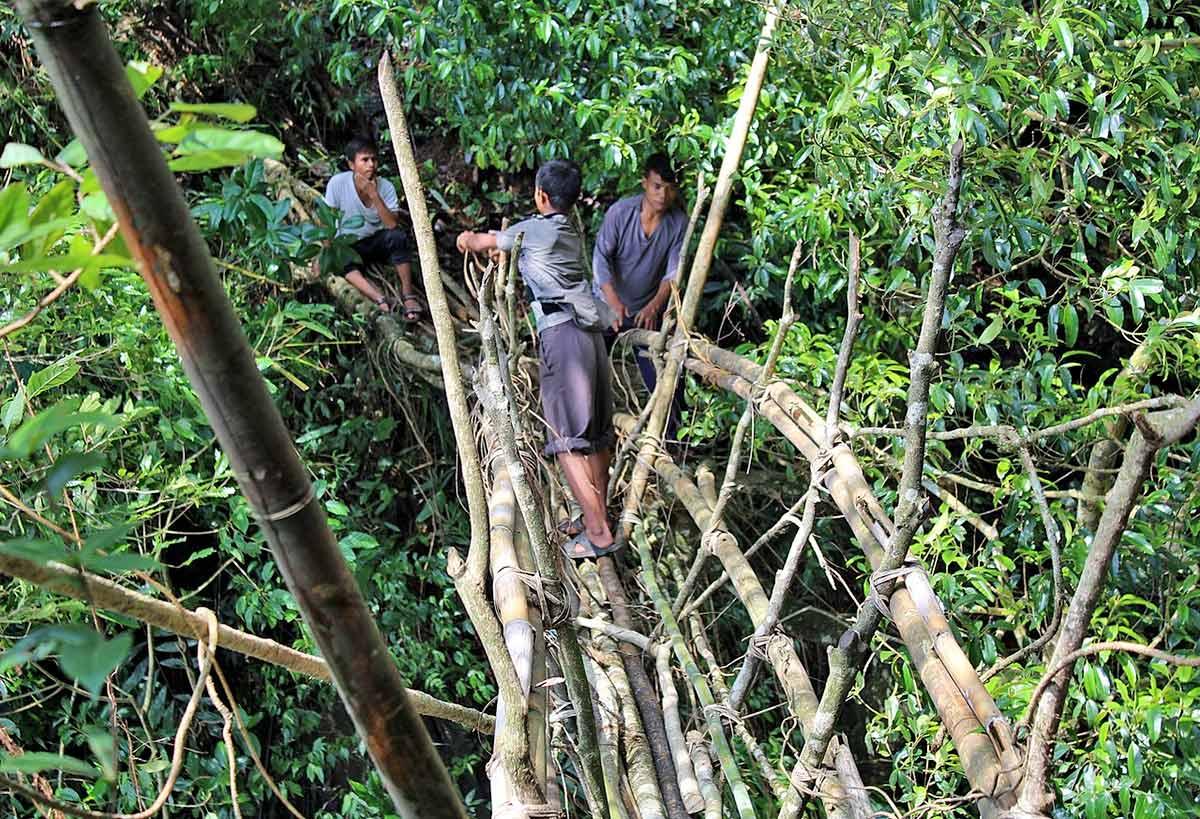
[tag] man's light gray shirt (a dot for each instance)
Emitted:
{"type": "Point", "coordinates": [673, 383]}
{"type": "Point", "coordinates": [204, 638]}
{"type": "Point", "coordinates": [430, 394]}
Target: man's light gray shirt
{"type": "Point", "coordinates": [633, 262]}
{"type": "Point", "coordinates": [341, 194]}
{"type": "Point", "coordinates": [551, 264]}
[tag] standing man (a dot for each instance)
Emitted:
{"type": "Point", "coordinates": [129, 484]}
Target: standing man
{"type": "Point", "coordinates": [637, 257]}
{"type": "Point", "coordinates": [369, 208]}
{"type": "Point", "coordinates": [576, 386]}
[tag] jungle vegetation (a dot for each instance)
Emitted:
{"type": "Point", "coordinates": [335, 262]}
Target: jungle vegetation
{"type": "Point", "coordinates": [930, 547]}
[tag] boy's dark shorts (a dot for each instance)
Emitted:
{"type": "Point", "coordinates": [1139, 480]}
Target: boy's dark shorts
{"type": "Point", "coordinates": [383, 246]}
{"type": "Point", "coordinates": [577, 397]}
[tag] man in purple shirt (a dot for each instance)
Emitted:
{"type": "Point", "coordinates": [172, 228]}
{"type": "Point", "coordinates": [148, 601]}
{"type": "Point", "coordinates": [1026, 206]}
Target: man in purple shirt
{"type": "Point", "coordinates": [637, 257]}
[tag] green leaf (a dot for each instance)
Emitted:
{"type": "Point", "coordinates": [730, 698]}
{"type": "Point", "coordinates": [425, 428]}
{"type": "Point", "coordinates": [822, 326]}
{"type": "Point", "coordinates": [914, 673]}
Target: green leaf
{"type": "Point", "coordinates": [142, 76]}
{"type": "Point", "coordinates": [51, 216]}
{"type": "Point", "coordinates": [1143, 13]}
{"type": "Point", "coordinates": [96, 206]}
{"type": "Point", "coordinates": [14, 214]}
{"type": "Point", "coordinates": [69, 467]}
{"type": "Point", "coordinates": [14, 410]}
{"type": "Point", "coordinates": [69, 262]}
{"type": "Point", "coordinates": [83, 653]}
{"type": "Point", "coordinates": [32, 762]}
{"type": "Point", "coordinates": [1065, 38]}
{"type": "Point", "coordinates": [1070, 320]}
{"type": "Point", "coordinates": [39, 551]}
{"type": "Point", "coordinates": [993, 330]}
{"type": "Point", "coordinates": [207, 161]}
{"type": "Point", "coordinates": [236, 111]}
{"type": "Point", "coordinates": [18, 153]}
{"type": "Point", "coordinates": [249, 143]}
{"type": "Point", "coordinates": [92, 663]}
{"type": "Point", "coordinates": [73, 155]}
{"type": "Point", "coordinates": [48, 423]}
{"type": "Point", "coordinates": [47, 378]}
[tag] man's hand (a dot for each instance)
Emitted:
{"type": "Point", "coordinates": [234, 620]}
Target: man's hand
{"type": "Point", "coordinates": [647, 317]}
{"type": "Point", "coordinates": [461, 241]}
{"type": "Point", "coordinates": [367, 188]}
{"type": "Point", "coordinates": [618, 307]}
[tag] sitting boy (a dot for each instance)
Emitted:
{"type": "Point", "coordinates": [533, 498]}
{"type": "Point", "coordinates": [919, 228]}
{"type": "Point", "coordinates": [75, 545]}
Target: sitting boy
{"type": "Point", "coordinates": [379, 238]}
{"type": "Point", "coordinates": [576, 383]}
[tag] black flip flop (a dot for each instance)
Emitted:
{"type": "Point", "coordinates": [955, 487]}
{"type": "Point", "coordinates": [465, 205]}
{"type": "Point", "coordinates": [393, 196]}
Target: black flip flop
{"type": "Point", "coordinates": [581, 548]}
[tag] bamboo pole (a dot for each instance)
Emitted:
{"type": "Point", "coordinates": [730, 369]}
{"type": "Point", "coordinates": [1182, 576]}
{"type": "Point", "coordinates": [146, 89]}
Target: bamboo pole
{"type": "Point", "coordinates": [158, 229]}
{"type": "Point", "coordinates": [781, 652]}
{"type": "Point", "coordinates": [508, 592]}
{"type": "Point", "coordinates": [963, 703]}
{"type": "Point", "coordinates": [105, 594]}
{"type": "Point", "coordinates": [511, 745]}
{"type": "Point", "coordinates": [716, 731]}
{"type": "Point", "coordinates": [685, 772]}
{"type": "Point", "coordinates": [495, 395]}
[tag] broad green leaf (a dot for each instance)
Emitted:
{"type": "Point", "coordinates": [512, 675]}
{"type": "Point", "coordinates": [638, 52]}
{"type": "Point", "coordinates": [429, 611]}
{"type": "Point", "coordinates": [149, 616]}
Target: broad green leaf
{"type": "Point", "coordinates": [236, 111]}
{"type": "Point", "coordinates": [48, 423]}
{"type": "Point", "coordinates": [73, 155]}
{"type": "Point", "coordinates": [52, 215]}
{"type": "Point", "coordinates": [17, 154]}
{"type": "Point", "coordinates": [142, 76]}
{"type": "Point", "coordinates": [14, 410]}
{"type": "Point", "coordinates": [69, 262]}
{"type": "Point", "coordinates": [39, 551]}
{"type": "Point", "coordinates": [32, 762]}
{"type": "Point", "coordinates": [92, 662]}
{"type": "Point", "coordinates": [1065, 38]}
{"type": "Point", "coordinates": [69, 467]}
{"type": "Point", "coordinates": [992, 330]}
{"type": "Point", "coordinates": [14, 214]}
{"type": "Point", "coordinates": [250, 143]}
{"type": "Point", "coordinates": [47, 378]}
{"type": "Point", "coordinates": [1070, 320]}
{"type": "Point", "coordinates": [207, 161]}
{"type": "Point", "coordinates": [97, 207]}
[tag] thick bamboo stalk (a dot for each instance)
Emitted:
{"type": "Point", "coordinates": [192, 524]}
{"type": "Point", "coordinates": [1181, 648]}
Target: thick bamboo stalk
{"type": "Point", "coordinates": [494, 395]}
{"type": "Point", "coordinates": [702, 763]}
{"type": "Point", "coordinates": [608, 709]}
{"type": "Point", "coordinates": [639, 765]}
{"type": "Point", "coordinates": [511, 745]}
{"type": "Point", "coordinates": [781, 652]}
{"type": "Point", "coordinates": [643, 692]}
{"type": "Point", "coordinates": [158, 229]}
{"type": "Point", "coordinates": [689, 788]}
{"type": "Point", "coordinates": [105, 594]}
{"type": "Point", "coordinates": [716, 731]}
{"type": "Point", "coordinates": [537, 726]}
{"type": "Point", "coordinates": [980, 732]}
{"type": "Point", "coordinates": [508, 593]}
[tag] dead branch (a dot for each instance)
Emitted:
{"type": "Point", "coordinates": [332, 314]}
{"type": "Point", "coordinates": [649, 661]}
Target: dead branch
{"type": "Point", "coordinates": [1152, 433]}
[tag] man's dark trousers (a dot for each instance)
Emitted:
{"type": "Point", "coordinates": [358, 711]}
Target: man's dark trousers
{"type": "Point", "coordinates": [641, 355]}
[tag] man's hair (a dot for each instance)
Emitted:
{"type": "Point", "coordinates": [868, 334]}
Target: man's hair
{"type": "Point", "coordinates": [357, 145]}
{"type": "Point", "coordinates": [559, 179]}
{"type": "Point", "coordinates": [660, 164]}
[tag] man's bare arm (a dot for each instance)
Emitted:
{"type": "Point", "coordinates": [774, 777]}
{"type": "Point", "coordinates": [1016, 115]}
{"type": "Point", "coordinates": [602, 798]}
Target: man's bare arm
{"type": "Point", "coordinates": [471, 242]}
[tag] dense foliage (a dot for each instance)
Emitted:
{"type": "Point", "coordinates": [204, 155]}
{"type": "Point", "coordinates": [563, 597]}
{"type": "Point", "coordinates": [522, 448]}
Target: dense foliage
{"type": "Point", "coordinates": [1082, 130]}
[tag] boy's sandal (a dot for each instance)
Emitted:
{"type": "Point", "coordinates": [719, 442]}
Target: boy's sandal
{"type": "Point", "coordinates": [571, 527]}
{"type": "Point", "coordinates": [581, 548]}
{"type": "Point", "coordinates": [411, 312]}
